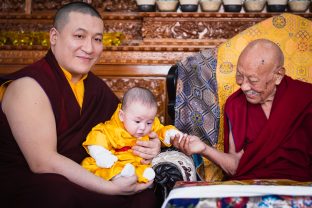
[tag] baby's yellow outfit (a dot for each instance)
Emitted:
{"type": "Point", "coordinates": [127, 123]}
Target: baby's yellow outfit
{"type": "Point", "coordinates": [113, 137]}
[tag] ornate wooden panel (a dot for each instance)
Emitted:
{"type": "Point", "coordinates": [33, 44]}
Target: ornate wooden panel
{"type": "Point", "coordinates": [12, 6]}
{"type": "Point", "coordinates": [194, 26]}
{"type": "Point", "coordinates": [124, 76]}
{"type": "Point", "coordinates": [129, 24]}
{"type": "Point", "coordinates": [143, 31]}
{"type": "Point", "coordinates": [202, 27]}
{"type": "Point", "coordinates": [157, 85]}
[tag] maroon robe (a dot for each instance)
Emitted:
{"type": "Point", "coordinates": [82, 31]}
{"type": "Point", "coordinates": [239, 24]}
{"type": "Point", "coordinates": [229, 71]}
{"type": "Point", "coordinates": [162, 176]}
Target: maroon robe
{"type": "Point", "coordinates": [276, 148]}
{"type": "Point", "coordinates": [21, 187]}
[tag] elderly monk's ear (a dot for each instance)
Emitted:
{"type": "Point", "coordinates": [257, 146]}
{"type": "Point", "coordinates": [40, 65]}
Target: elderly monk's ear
{"type": "Point", "coordinates": [53, 36]}
{"type": "Point", "coordinates": [279, 75]}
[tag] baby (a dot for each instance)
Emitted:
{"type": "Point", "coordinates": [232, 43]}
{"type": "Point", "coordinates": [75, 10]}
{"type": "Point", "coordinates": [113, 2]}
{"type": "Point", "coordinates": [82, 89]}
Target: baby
{"type": "Point", "coordinates": [109, 144]}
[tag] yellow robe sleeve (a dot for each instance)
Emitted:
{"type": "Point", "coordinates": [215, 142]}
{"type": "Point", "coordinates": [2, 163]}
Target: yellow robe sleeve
{"type": "Point", "coordinates": [98, 136]}
{"type": "Point", "coordinates": [160, 130]}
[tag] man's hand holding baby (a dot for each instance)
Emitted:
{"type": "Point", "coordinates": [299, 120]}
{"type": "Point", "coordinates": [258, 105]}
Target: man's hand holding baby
{"type": "Point", "coordinates": [147, 149]}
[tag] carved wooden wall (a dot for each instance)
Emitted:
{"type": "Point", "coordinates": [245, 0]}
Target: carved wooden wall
{"type": "Point", "coordinates": [152, 41]}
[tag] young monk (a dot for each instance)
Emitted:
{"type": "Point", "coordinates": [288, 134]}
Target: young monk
{"type": "Point", "coordinates": [47, 110]}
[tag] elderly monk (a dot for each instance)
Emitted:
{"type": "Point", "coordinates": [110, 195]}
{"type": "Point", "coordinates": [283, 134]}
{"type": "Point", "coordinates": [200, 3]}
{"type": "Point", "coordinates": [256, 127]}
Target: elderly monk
{"type": "Point", "coordinates": [268, 121]}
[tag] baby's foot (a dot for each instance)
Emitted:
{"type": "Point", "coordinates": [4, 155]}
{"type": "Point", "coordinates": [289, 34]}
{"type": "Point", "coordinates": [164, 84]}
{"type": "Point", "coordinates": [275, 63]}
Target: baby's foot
{"type": "Point", "coordinates": [149, 174]}
{"type": "Point", "coordinates": [106, 161]}
{"type": "Point", "coordinates": [128, 170]}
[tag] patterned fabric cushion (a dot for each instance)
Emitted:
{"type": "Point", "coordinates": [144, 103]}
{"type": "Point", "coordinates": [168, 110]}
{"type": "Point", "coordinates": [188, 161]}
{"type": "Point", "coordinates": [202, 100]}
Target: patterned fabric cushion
{"type": "Point", "coordinates": [183, 163]}
{"type": "Point", "coordinates": [196, 107]}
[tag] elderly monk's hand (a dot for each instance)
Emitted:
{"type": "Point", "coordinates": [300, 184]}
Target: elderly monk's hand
{"type": "Point", "coordinates": [147, 149]}
{"type": "Point", "coordinates": [188, 144]}
{"type": "Point", "coordinates": [233, 160]}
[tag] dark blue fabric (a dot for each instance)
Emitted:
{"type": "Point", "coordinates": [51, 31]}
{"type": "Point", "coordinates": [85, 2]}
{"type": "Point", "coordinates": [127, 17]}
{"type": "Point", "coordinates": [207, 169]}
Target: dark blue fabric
{"type": "Point", "coordinates": [196, 108]}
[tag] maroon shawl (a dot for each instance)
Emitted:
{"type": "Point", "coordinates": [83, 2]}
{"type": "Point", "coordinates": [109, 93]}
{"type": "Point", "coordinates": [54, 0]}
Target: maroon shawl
{"type": "Point", "coordinates": [279, 147]}
{"type": "Point", "coordinates": [22, 188]}
{"type": "Point", "coordinates": [72, 125]}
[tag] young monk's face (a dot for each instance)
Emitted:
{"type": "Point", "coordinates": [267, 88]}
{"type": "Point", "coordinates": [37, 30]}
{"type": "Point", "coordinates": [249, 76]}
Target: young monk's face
{"type": "Point", "coordinates": [78, 45]}
{"type": "Point", "coordinates": [138, 119]}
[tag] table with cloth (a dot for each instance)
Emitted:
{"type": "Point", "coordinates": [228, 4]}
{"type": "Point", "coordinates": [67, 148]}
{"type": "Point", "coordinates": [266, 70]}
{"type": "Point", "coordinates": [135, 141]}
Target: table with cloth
{"type": "Point", "coordinates": [248, 193]}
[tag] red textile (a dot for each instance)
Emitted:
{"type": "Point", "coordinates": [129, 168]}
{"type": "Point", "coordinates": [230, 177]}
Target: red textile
{"type": "Point", "coordinates": [22, 188]}
{"type": "Point", "coordinates": [126, 148]}
{"type": "Point", "coordinates": [279, 147]}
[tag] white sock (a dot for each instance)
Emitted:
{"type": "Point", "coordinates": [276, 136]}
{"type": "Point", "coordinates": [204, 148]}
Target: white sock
{"type": "Point", "coordinates": [128, 170]}
{"type": "Point", "coordinates": [149, 174]}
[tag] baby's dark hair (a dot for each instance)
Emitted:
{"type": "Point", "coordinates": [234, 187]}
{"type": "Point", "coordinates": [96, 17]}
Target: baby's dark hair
{"type": "Point", "coordinates": [61, 16]}
{"type": "Point", "coordinates": [139, 94]}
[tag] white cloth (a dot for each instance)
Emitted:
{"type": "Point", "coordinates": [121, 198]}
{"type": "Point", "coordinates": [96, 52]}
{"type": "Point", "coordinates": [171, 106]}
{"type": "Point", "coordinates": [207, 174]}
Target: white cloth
{"type": "Point", "coordinates": [218, 191]}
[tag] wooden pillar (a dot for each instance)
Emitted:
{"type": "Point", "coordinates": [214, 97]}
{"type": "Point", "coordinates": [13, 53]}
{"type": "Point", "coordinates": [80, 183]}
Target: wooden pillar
{"type": "Point", "coordinates": [28, 6]}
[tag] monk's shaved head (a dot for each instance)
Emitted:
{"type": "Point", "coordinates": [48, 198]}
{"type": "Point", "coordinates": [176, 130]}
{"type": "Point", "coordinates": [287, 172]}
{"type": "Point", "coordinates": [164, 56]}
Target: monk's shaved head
{"type": "Point", "coordinates": [263, 52]}
{"type": "Point", "coordinates": [62, 15]}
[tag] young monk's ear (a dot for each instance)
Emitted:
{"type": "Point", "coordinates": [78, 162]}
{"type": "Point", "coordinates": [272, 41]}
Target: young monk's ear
{"type": "Point", "coordinates": [280, 74]}
{"type": "Point", "coordinates": [53, 36]}
{"type": "Point", "coordinates": [121, 115]}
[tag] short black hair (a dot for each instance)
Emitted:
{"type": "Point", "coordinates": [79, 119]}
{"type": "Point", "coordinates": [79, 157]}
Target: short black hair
{"type": "Point", "coordinates": [61, 16]}
{"type": "Point", "coordinates": [139, 94]}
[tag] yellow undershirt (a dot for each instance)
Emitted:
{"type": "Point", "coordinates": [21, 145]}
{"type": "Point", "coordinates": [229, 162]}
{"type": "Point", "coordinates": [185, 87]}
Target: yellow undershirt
{"type": "Point", "coordinates": [78, 88]}
{"type": "Point", "coordinates": [3, 88]}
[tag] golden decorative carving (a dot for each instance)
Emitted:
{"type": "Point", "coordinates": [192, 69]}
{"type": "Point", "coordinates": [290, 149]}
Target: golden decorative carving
{"type": "Point", "coordinates": [22, 38]}
{"type": "Point", "coordinates": [15, 39]}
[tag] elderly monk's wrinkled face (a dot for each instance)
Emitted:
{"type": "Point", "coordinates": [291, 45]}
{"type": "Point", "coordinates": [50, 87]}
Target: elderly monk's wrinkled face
{"type": "Point", "coordinates": [138, 118]}
{"type": "Point", "coordinates": [257, 78]}
{"type": "Point", "coordinates": [78, 45]}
